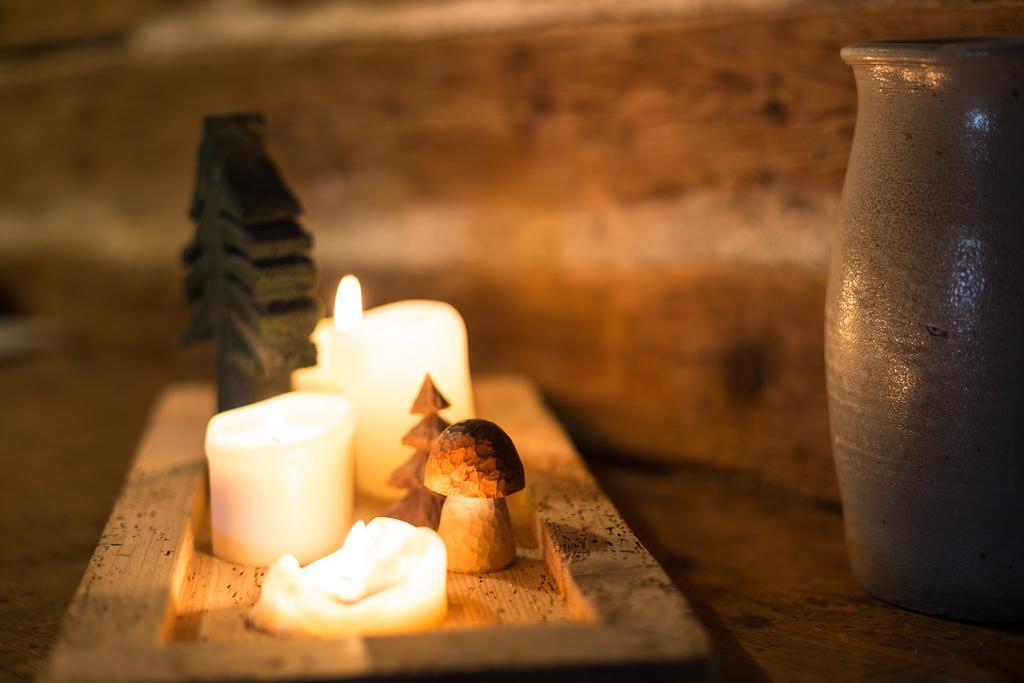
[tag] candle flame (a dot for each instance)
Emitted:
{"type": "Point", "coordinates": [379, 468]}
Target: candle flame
{"type": "Point", "coordinates": [348, 304]}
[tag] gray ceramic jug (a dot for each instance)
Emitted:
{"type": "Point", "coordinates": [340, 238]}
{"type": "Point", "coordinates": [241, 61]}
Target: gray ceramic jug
{"type": "Point", "coordinates": [925, 327]}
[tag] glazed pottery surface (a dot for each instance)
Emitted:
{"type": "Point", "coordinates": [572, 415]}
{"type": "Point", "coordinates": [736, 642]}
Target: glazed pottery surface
{"type": "Point", "coordinates": [925, 327]}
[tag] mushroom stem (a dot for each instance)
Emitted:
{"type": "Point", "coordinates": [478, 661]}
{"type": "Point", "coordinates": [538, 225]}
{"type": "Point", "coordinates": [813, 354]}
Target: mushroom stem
{"type": "Point", "coordinates": [477, 533]}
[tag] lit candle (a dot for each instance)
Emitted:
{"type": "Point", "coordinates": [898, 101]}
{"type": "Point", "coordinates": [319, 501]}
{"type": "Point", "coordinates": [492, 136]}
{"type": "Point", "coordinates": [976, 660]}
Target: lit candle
{"type": "Point", "coordinates": [389, 577]}
{"type": "Point", "coordinates": [378, 359]}
{"type": "Point", "coordinates": [281, 477]}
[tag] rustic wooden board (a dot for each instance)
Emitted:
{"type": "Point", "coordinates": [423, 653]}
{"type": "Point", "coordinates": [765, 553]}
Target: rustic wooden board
{"type": "Point", "coordinates": [585, 598]}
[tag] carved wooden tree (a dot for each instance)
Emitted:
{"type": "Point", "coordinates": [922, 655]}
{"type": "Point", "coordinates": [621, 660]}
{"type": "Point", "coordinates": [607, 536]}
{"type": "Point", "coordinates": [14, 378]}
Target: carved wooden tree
{"type": "Point", "coordinates": [250, 269]}
{"type": "Point", "coordinates": [420, 506]}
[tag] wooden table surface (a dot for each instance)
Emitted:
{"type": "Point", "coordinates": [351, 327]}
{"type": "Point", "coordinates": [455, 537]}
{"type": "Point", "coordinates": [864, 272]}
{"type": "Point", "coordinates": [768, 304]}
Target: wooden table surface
{"type": "Point", "coordinates": [765, 570]}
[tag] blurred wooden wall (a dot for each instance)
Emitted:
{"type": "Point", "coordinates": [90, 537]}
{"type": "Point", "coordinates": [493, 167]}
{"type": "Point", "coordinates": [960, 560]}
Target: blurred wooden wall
{"type": "Point", "coordinates": [632, 205]}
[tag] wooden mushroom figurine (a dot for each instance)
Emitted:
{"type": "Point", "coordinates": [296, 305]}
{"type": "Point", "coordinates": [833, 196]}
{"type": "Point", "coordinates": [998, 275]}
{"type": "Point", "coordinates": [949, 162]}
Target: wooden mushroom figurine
{"type": "Point", "coordinates": [475, 464]}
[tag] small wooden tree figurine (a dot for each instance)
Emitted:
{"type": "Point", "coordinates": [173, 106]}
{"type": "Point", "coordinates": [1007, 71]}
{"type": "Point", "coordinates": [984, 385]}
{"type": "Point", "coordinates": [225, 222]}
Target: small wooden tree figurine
{"type": "Point", "coordinates": [421, 506]}
{"type": "Point", "coordinates": [250, 270]}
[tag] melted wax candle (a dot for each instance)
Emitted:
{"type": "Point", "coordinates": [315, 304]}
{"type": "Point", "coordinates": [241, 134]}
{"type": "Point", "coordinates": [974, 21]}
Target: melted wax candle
{"type": "Point", "coordinates": [388, 577]}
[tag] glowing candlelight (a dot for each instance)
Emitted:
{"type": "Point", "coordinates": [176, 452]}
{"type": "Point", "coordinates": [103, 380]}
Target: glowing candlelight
{"type": "Point", "coordinates": [348, 304]}
{"type": "Point", "coordinates": [378, 359]}
{"type": "Point", "coordinates": [388, 577]}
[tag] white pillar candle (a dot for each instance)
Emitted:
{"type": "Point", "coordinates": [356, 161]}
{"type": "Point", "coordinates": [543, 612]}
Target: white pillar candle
{"type": "Point", "coordinates": [314, 378]}
{"type": "Point", "coordinates": [389, 577]}
{"type": "Point", "coordinates": [378, 359]}
{"type": "Point", "coordinates": [281, 477]}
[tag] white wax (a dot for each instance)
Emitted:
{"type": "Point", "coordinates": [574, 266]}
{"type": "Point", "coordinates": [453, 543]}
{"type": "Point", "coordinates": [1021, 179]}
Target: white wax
{"type": "Point", "coordinates": [281, 477]}
{"type": "Point", "coordinates": [314, 378]}
{"type": "Point", "coordinates": [389, 577]}
{"type": "Point", "coordinates": [380, 365]}
{"type": "Point", "coordinates": [321, 337]}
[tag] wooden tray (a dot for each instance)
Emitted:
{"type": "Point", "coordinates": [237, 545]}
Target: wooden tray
{"type": "Point", "coordinates": [585, 597]}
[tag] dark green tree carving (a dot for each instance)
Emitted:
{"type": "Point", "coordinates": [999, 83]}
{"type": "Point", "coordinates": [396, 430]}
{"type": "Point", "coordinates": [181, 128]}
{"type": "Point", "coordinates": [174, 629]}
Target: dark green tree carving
{"type": "Point", "coordinates": [250, 270]}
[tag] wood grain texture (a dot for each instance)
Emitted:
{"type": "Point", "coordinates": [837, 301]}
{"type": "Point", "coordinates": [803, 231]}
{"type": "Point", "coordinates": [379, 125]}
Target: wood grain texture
{"type": "Point", "coordinates": [559, 133]}
{"type": "Point", "coordinates": [154, 605]}
{"type": "Point", "coordinates": [722, 364]}
{"type": "Point", "coordinates": [27, 28]}
{"type": "Point", "coordinates": [152, 26]}
{"type": "Point", "coordinates": [65, 461]}
{"type": "Point", "coordinates": [768, 574]}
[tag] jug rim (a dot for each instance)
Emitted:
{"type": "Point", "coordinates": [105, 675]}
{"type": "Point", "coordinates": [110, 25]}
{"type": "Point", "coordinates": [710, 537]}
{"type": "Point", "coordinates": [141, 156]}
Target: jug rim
{"type": "Point", "coordinates": [935, 50]}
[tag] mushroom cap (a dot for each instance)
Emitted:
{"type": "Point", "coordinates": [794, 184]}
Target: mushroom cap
{"type": "Point", "coordinates": [474, 459]}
